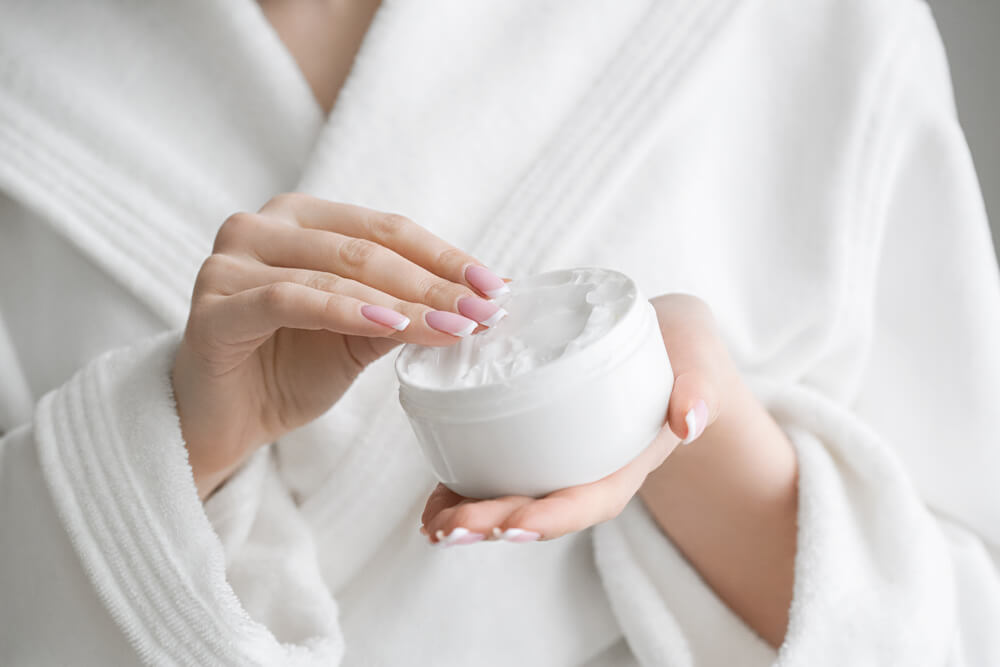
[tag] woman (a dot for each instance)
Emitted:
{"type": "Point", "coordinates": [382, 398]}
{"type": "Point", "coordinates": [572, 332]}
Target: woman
{"type": "Point", "coordinates": [800, 170]}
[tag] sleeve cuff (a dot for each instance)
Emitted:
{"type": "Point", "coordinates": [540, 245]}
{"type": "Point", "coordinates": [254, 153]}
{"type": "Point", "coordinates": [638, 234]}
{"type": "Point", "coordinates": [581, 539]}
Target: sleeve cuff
{"type": "Point", "coordinates": [873, 575]}
{"type": "Point", "coordinates": [874, 579]}
{"type": "Point", "coordinates": [667, 612]}
{"type": "Point", "coordinates": [113, 457]}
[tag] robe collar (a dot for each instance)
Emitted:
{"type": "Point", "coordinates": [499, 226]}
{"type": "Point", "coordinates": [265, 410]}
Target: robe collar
{"type": "Point", "coordinates": [503, 127]}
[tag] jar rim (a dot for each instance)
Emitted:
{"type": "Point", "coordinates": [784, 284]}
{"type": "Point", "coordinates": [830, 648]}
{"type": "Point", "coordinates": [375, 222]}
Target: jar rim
{"type": "Point", "coordinates": [601, 356]}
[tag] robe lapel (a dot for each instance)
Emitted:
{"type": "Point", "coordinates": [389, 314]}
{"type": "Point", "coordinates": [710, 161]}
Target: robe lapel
{"type": "Point", "coordinates": [497, 125]}
{"type": "Point", "coordinates": [449, 104]}
{"type": "Point", "coordinates": [504, 126]}
{"type": "Point", "coordinates": [135, 129]}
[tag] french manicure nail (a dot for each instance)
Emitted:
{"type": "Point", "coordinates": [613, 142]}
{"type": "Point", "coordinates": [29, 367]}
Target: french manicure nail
{"type": "Point", "coordinates": [450, 323]}
{"type": "Point", "coordinates": [518, 535]}
{"type": "Point", "coordinates": [459, 536]}
{"type": "Point", "coordinates": [696, 420]}
{"type": "Point", "coordinates": [385, 316]}
{"type": "Point", "coordinates": [486, 281]}
{"type": "Point", "coordinates": [485, 312]}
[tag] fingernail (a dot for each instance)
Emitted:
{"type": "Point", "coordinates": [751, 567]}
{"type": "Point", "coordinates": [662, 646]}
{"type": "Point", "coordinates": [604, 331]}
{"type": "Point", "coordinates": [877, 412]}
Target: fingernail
{"type": "Point", "coordinates": [485, 312]}
{"type": "Point", "coordinates": [517, 535]}
{"type": "Point", "coordinates": [486, 281]}
{"type": "Point", "coordinates": [386, 317]}
{"type": "Point", "coordinates": [450, 323]}
{"type": "Point", "coordinates": [696, 420]}
{"type": "Point", "coordinates": [458, 536]}
{"type": "Point", "coordinates": [423, 531]}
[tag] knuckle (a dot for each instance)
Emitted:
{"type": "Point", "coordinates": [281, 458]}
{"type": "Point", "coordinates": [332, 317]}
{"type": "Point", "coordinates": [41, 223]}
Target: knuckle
{"type": "Point", "coordinates": [325, 282]}
{"type": "Point", "coordinates": [277, 296]}
{"type": "Point", "coordinates": [389, 225]}
{"type": "Point", "coordinates": [213, 270]}
{"type": "Point", "coordinates": [234, 231]}
{"type": "Point", "coordinates": [452, 257]}
{"type": "Point", "coordinates": [437, 291]}
{"type": "Point", "coordinates": [356, 252]}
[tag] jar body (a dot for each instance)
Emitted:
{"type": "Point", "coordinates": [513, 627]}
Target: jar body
{"type": "Point", "coordinates": [577, 422]}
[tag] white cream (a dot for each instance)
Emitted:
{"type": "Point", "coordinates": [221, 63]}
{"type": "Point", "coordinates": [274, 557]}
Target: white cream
{"type": "Point", "coordinates": [550, 317]}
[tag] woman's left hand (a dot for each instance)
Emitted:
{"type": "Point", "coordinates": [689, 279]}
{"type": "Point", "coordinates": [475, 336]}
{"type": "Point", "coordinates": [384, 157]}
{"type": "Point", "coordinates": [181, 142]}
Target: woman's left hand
{"type": "Point", "coordinates": [704, 376]}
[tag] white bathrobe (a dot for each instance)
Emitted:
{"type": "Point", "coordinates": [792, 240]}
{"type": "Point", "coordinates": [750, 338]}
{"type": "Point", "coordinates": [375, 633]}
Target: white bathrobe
{"type": "Point", "coordinates": [798, 165]}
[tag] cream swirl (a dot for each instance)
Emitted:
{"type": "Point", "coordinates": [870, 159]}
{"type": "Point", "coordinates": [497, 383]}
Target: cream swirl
{"type": "Point", "coordinates": [551, 316]}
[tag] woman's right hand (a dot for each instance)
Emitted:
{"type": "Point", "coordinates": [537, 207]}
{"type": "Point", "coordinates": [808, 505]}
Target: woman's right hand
{"type": "Point", "coordinates": [293, 303]}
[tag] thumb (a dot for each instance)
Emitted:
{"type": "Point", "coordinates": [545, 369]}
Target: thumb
{"type": "Point", "coordinates": [699, 361]}
{"type": "Point", "coordinates": [691, 407]}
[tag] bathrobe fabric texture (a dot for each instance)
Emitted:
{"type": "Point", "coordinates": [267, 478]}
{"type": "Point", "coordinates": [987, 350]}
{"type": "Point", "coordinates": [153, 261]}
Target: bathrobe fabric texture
{"type": "Point", "coordinates": [798, 165]}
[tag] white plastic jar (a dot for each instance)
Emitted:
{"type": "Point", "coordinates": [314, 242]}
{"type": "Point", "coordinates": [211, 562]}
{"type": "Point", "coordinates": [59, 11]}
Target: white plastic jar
{"type": "Point", "coordinates": [569, 387]}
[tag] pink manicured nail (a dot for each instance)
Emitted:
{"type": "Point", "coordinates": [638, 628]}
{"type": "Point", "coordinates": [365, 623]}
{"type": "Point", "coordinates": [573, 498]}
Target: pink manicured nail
{"type": "Point", "coordinates": [486, 281]}
{"type": "Point", "coordinates": [696, 420]}
{"type": "Point", "coordinates": [518, 535]}
{"type": "Point", "coordinates": [386, 317]}
{"type": "Point", "coordinates": [458, 536]}
{"type": "Point", "coordinates": [450, 323]}
{"type": "Point", "coordinates": [485, 312]}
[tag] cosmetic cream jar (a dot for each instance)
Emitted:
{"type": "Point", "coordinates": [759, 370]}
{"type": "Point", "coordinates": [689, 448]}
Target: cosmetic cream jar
{"type": "Point", "coordinates": [568, 388]}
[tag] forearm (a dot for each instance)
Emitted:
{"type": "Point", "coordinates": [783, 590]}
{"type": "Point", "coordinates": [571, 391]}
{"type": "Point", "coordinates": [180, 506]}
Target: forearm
{"type": "Point", "coordinates": [729, 503]}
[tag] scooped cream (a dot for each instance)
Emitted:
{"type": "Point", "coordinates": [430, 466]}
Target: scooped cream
{"type": "Point", "coordinates": [549, 317]}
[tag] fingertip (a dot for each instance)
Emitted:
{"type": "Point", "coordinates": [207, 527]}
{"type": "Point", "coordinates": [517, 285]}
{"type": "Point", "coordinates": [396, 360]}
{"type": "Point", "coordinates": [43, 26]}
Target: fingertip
{"type": "Point", "coordinates": [518, 535]}
{"type": "Point", "coordinates": [530, 520]}
{"type": "Point", "coordinates": [420, 333]}
{"type": "Point", "coordinates": [450, 323]}
{"type": "Point", "coordinates": [691, 407]}
{"type": "Point", "coordinates": [485, 281]}
{"type": "Point", "coordinates": [385, 317]}
{"type": "Point", "coordinates": [441, 498]}
{"type": "Point", "coordinates": [695, 422]}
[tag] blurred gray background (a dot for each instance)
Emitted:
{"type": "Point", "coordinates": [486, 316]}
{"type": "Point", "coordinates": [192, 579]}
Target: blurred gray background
{"type": "Point", "coordinates": [971, 31]}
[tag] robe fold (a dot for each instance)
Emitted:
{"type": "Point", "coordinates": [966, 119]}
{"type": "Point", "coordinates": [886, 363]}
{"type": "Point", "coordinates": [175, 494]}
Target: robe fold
{"type": "Point", "coordinates": [799, 166]}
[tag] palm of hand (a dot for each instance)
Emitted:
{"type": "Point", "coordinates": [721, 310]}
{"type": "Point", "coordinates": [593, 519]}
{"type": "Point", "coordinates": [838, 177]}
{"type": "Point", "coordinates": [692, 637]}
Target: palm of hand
{"type": "Point", "coordinates": [294, 376]}
{"type": "Point", "coordinates": [702, 371]}
{"type": "Point", "coordinates": [261, 390]}
{"type": "Point", "coordinates": [303, 373]}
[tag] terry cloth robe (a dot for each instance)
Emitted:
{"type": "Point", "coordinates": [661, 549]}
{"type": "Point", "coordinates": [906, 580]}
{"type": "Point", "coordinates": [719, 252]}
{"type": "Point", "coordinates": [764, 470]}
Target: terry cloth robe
{"type": "Point", "coordinates": [798, 165]}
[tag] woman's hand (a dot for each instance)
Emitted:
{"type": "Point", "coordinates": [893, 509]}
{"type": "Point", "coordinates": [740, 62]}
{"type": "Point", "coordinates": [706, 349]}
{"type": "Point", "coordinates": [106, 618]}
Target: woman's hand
{"type": "Point", "coordinates": [704, 379]}
{"type": "Point", "coordinates": [293, 303]}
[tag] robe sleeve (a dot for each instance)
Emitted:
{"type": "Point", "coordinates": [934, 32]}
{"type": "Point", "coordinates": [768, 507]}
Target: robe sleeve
{"type": "Point", "coordinates": [109, 556]}
{"type": "Point", "coordinates": [898, 554]}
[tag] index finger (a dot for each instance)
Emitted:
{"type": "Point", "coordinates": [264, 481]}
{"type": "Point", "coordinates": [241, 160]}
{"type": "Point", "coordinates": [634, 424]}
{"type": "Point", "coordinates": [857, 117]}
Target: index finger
{"type": "Point", "coordinates": [393, 231]}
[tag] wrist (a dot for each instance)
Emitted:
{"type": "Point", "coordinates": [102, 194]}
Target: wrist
{"type": "Point", "coordinates": [743, 447]}
{"type": "Point", "coordinates": [729, 502]}
{"type": "Point", "coordinates": [213, 453]}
